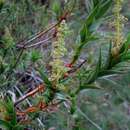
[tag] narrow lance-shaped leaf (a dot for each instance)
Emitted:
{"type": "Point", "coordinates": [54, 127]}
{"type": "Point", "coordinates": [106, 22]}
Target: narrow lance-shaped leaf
{"type": "Point", "coordinates": [126, 45]}
{"type": "Point", "coordinates": [108, 61]}
{"type": "Point", "coordinates": [5, 124]}
{"type": "Point", "coordinates": [45, 77]}
{"type": "Point", "coordinates": [86, 32]}
{"type": "Point", "coordinates": [96, 71]}
{"type": "Point", "coordinates": [103, 8]}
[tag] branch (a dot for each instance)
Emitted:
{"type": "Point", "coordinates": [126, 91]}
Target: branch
{"type": "Point", "coordinates": [41, 106]}
{"type": "Point", "coordinates": [37, 36]}
{"type": "Point", "coordinates": [41, 33]}
{"type": "Point", "coordinates": [38, 43]}
{"type": "Point", "coordinates": [39, 121]}
{"type": "Point", "coordinates": [76, 68]}
{"type": "Point", "coordinates": [40, 88]}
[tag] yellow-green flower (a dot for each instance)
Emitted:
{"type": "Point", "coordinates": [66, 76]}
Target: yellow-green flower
{"type": "Point", "coordinates": [58, 52]}
{"type": "Point", "coordinates": [119, 25]}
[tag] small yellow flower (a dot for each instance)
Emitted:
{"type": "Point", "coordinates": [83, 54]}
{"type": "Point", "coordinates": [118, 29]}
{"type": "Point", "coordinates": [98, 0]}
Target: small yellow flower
{"type": "Point", "coordinates": [119, 25]}
{"type": "Point", "coordinates": [58, 52]}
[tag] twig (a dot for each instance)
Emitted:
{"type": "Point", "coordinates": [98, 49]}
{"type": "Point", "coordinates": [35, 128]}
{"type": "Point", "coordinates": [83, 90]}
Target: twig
{"type": "Point", "coordinates": [38, 35]}
{"type": "Point", "coordinates": [41, 33]}
{"type": "Point", "coordinates": [29, 105]}
{"type": "Point", "coordinates": [22, 95]}
{"type": "Point", "coordinates": [33, 92]}
{"type": "Point", "coordinates": [78, 67]}
{"type": "Point", "coordinates": [39, 107]}
{"type": "Point", "coordinates": [38, 43]}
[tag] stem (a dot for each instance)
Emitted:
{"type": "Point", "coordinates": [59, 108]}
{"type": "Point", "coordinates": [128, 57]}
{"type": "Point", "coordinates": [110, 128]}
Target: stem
{"type": "Point", "coordinates": [33, 92]}
{"type": "Point", "coordinates": [39, 43]}
{"type": "Point", "coordinates": [28, 102]}
{"type": "Point", "coordinates": [37, 35]}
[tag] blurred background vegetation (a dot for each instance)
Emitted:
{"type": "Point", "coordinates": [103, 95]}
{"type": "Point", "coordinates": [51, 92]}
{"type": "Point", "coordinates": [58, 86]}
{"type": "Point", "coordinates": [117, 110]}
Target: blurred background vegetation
{"type": "Point", "coordinates": [104, 109]}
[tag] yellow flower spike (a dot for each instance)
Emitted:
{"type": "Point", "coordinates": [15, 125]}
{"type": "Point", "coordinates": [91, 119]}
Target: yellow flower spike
{"type": "Point", "coordinates": [58, 52]}
{"type": "Point", "coordinates": [119, 25]}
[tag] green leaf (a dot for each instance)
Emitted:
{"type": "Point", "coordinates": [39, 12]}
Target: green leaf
{"type": "Point", "coordinates": [35, 55]}
{"type": "Point", "coordinates": [93, 75]}
{"type": "Point", "coordinates": [90, 19]}
{"type": "Point", "coordinates": [45, 77]}
{"type": "Point", "coordinates": [125, 57]}
{"type": "Point", "coordinates": [5, 124]}
{"type": "Point", "coordinates": [83, 33]}
{"type": "Point", "coordinates": [95, 2]}
{"type": "Point", "coordinates": [10, 110]}
{"type": "Point", "coordinates": [81, 45]}
{"type": "Point", "coordinates": [103, 8]}
{"type": "Point", "coordinates": [86, 33]}
{"type": "Point", "coordinates": [126, 45]}
{"type": "Point", "coordinates": [89, 86]}
{"type": "Point", "coordinates": [56, 8]}
{"type": "Point", "coordinates": [18, 127]}
{"type": "Point", "coordinates": [61, 96]}
{"type": "Point", "coordinates": [108, 61]}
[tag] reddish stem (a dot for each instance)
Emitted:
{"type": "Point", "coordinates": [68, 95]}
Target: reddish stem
{"type": "Point", "coordinates": [40, 88]}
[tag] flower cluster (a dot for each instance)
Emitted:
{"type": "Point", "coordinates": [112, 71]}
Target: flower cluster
{"type": "Point", "coordinates": [58, 53]}
{"type": "Point", "coordinates": [119, 25]}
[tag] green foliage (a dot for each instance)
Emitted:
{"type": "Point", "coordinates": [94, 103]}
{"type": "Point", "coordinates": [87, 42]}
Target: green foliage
{"type": "Point", "coordinates": [56, 8]}
{"type": "Point", "coordinates": [45, 77]}
{"type": "Point", "coordinates": [87, 31]}
{"type": "Point", "coordinates": [9, 113]}
{"type": "Point", "coordinates": [35, 55]}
